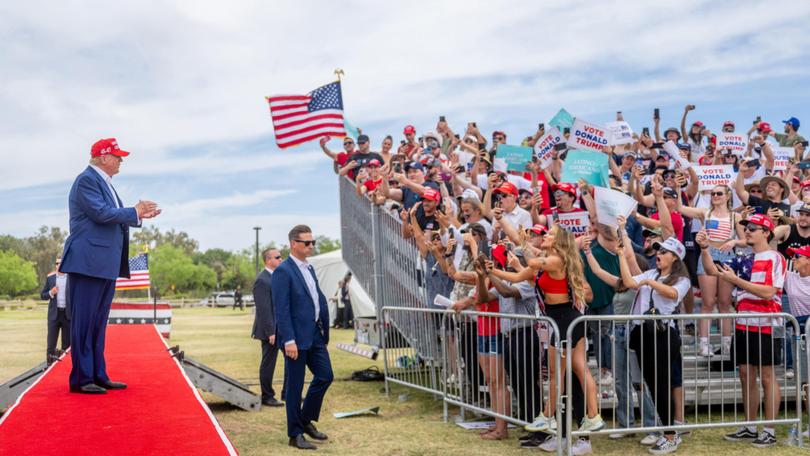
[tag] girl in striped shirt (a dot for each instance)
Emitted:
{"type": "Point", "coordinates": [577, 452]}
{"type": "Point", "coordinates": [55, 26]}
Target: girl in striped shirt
{"type": "Point", "coordinates": [725, 234]}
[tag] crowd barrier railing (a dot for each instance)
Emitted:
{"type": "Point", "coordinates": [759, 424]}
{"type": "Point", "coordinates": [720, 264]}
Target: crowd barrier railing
{"type": "Point", "coordinates": [670, 373]}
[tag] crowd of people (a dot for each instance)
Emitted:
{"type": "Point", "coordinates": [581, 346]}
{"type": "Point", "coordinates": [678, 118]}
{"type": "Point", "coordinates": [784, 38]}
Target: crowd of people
{"type": "Point", "coordinates": [742, 246]}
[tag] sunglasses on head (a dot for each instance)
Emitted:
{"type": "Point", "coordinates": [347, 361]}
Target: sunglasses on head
{"type": "Point", "coordinates": [307, 243]}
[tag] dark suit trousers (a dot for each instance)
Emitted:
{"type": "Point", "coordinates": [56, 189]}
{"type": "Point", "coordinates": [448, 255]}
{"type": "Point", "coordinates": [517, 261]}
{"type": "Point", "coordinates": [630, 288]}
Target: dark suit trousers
{"type": "Point", "coordinates": [267, 368]}
{"type": "Point", "coordinates": [91, 298]}
{"type": "Point", "coordinates": [316, 358]}
{"type": "Point", "coordinates": [61, 322]}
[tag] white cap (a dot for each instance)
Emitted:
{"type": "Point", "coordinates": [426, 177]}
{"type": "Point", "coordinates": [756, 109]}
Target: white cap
{"type": "Point", "coordinates": [672, 245]}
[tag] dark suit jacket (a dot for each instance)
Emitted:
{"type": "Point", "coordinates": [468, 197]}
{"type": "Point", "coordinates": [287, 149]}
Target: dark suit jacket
{"type": "Point", "coordinates": [264, 324]}
{"type": "Point", "coordinates": [50, 282]}
{"type": "Point", "coordinates": [98, 244]}
{"type": "Point", "coordinates": [295, 312]}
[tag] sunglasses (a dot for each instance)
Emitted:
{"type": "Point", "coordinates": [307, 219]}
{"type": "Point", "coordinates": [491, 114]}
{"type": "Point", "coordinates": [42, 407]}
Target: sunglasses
{"type": "Point", "coordinates": [750, 228]}
{"type": "Point", "coordinates": [755, 190]}
{"type": "Point", "coordinates": [560, 194]}
{"type": "Point", "coordinates": [348, 143]}
{"type": "Point", "coordinates": [277, 257]}
{"type": "Point", "coordinates": [361, 142]}
{"type": "Point", "coordinates": [718, 194]}
{"type": "Point", "coordinates": [307, 243]}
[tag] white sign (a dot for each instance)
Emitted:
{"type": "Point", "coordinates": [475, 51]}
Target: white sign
{"type": "Point", "coordinates": [732, 141]}
{"type": "Point", "coordinates": [711, 176]}
{"type": "Point", "coordinates": [575, 222]}
{"type": "Point", "coordinates": [781, 157]}
{"type": "Point", "coordinates": [587, 136]}
{"type": "Point", "coordinates": [610, 204]}
{"type": "Point", "coordinates": [620, 133]}
{"type": "Point", "coordinates": [672, 149]}
{"type": "Point", "coordinates": [544, 147]}
{"type": "Point", "coordinates": [499, 164]}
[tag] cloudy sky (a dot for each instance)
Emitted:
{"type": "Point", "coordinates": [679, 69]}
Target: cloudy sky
{"type": "Point", "coordinates": [181, 84]}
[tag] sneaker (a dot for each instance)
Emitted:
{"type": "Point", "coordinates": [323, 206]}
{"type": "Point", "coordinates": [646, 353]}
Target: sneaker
{"type": "Point", "coordinates": [606, 379]}
{"type": "Point", "coordinates": [681, 423]}
{"type": "Point", "coordinates": [592, 424]}
{"type": "Point", "coordinates": [705, 350]}
{"type": "Point", "coordinates": [581, 446]}
{"type": "Point", "coordinates": [550, 445]}
{"type": "Point", "coordinates": [806, 434]}
{"type": "Point", "coordinates": [650, 439]}
{"type": "Point", "coordinates": [532, 442]}
{"type": "Point", "coordinates": [789, 374]}
{"type": "Point", "coordinates": [742, 434]}
{"type": "Point", "coordinates": [726, 348]}
{"type": "Point", "coordinates": [542, 424]}
{"type": "Point", "coordinates": [664, 446]}
{"type": "Point", "coordinates": [765, 440]}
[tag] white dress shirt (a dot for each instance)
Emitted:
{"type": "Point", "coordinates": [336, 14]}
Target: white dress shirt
{"type": "Point", "coordinates": [309, 278]}
{"type": "Point", "coordinates": [270, 271]}
{"type": "Point", "coordinates": [61, 291]}
{"type": "Point", "coordinates": [108, 179]}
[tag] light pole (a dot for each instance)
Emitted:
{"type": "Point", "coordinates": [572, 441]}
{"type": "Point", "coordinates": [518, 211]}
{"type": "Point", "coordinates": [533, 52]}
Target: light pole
{"type": "Point", "coordinates": [257, 228]}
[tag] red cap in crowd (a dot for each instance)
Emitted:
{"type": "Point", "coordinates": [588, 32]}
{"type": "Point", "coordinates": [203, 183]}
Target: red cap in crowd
{"type": "Point", "coordinates": [107, 146]}
{"type": "Point", "coordinates": [496, 133]}
{"type": "Point", "coordinates": [432, 195]}
{"type": "Point", "coordinates": [764, 127]}
{"type": "Point", "coordinates": [698, 123]}
{"type": "Point", "coordinates": [507, 187]}
{"type": "Point", "coordinates": [375, 163]}
{"type": "Point", "coordinates": [761, 220]}
{"type": "Point", "coordinates": [728, 123]}
{"type": "Point", "coordinates": [806, 183]}
{"type": "Point", "coordinates": [499, 254]}
{"type": "Point", "coordinates": [566, 187]}
{"type": "Point", "coordinates": [539, 229]}
{"type": "Point", "coordinates": [409, 130]}
{"type": "Point", "coordinates": [803, 251]}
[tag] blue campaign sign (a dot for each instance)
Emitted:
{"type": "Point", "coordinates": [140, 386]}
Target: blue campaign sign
{"type": "Point", "coordinates": [516, 157]}
{"type": "Point", "coordinates": [562, 120]}
{"type": "Point", "coordinates": [589, 165]}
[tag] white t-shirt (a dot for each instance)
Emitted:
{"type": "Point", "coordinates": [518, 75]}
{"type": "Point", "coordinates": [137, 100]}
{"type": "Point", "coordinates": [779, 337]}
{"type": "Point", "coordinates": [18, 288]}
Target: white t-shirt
{"type": "Point", "coordinates": [519, 218]}
{"type": "Point", "coordinates": [798, 292]}
{"type": "Point", "coordinates": [665, 306]}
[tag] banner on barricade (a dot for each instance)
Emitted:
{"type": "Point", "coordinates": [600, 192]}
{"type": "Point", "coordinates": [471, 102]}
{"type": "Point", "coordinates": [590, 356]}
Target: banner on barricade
{"type": "Point", "coordinates": [732, 141]}
{"type": "Point", "coordinates": [586, 164]}
{"type": "Point", "coordinates": [516, 157]}
{"type": "Point", "coordinates": [544, 147]}
{"type": "Point", "coordinates": [620, 133]}
{"type": "Point", "coordinates": [781, 157]}
{"type": "Point", "coordinates": [610, 204]}
{"type": "Point", "coordinates": [575, 222]}
{"type": "Point", "coordinates": [711, 176]}
{"type": "Point", "coordinates": [585, 135]}
{"type": "Point", "coordinates": [562, 120]}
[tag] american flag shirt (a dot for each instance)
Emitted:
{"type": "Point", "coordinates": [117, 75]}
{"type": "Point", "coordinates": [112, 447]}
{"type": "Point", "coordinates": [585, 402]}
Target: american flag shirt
{"type": "Point", "coordinates": [764, 268]}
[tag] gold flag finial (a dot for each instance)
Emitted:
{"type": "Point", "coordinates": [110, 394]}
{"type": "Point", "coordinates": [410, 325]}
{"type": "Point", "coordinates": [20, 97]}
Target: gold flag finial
{"type": "Point", "coordinates": [338, 72]}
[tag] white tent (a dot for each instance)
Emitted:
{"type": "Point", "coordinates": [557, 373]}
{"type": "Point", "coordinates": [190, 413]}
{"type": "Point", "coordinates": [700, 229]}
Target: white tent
{"type": "Point", "coordinates": [330, 269]}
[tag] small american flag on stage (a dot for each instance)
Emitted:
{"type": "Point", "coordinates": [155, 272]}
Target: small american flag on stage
{"type": "Point", "coordinates": [138, 273]}
{"type": "Point", "coordinates": [301, 118]}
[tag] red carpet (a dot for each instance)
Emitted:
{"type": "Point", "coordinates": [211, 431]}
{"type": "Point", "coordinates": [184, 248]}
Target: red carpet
{"type": "Point", "coordinates": [160, 413]}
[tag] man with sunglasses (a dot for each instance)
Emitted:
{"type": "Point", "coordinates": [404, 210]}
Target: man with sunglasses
{"type": "Point", "coordinates": [759, 278]}
{"type": "Point", "coordinates": [339, 159]}
{"type": "Point", "coordinates": [56, 292]}
{"type": "Point", "coordinates": [264, 326]}
{"type": "Point", "coordinates": [360, 158]}
{"type": "Point", "coordinates": [775, 191]}
{"type": "Point", "coordinates": [302, 328]}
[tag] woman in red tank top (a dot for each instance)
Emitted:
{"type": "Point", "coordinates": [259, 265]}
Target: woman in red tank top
{"type": "Point", "coordinates": [560, 277]}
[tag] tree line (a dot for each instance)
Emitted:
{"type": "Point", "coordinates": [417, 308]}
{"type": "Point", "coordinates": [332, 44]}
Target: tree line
{"type": "Point", "coordinates": [177, 266]}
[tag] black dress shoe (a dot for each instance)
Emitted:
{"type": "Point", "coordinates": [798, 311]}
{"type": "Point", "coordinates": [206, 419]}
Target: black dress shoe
{"type": "Point", "coordinates": [90, 388]}
{"type": "Point", "coordinates": [302, 443]}
{"type": "Point", "coordinates": [272, 402]}
{"type": "Point", "coordinates": [310, 430]}
{"type": "Point", "coordinates": [111, 385]}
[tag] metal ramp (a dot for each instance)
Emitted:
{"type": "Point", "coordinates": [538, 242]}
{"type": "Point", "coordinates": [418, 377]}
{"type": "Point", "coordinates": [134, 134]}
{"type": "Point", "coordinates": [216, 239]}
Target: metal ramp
{"type": "Point", "coordinates": [12, 389]}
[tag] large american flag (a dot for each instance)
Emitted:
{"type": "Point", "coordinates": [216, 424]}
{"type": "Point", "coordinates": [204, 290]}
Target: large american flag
{"type": "Point", "coordinates": [138, 273]}
{"type": "Point", "coordinates": [301, 118]}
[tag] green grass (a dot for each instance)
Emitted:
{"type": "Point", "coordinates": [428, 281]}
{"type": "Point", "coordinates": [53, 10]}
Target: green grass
{"type": "Point", "coordinates": [221, 339]}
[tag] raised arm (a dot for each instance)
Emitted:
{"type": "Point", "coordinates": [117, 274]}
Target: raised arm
{"type": "Point", "coordinates": [739, 183]}
{"type": "Point", "coordinates": [603, 275]}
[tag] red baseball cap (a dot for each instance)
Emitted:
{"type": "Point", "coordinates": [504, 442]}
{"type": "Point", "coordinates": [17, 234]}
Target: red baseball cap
{"type": "Point", "coordinates": [764, 127]}
{"type": "Point", "coordinates": [728, 123]}
{"type": "Point", "coordinates": [539, 229]}
{"type": "Point", "coordinates": [374, 163]}
{"type": "Point", "coordinates": [409, 130]}
{"type": "Point", "coordinates": [803, 251]}
{"type": "Point", "coordinates": [806, 183]}
{"type": "Point", "coordinates": [496, 133]}
{"type": "Point", "coordinates": [698, 123]}
{"type": "Point", "coordinates": [499, 255]}
{"type": "Point", "coordinates": [107, 146]}
{"type": "Point", "coordinates": [566, 187]}
{"type": "Point", "coordinates": [761, 220]}
{"type": "Point", "coordinates": [507, 187]}
{"type": "Point", "coordinates": [431, 194]}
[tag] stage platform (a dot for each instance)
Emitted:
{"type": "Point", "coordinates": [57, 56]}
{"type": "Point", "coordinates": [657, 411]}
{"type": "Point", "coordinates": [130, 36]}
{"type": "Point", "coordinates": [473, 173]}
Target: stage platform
{"type": "Point", "coordinates": [159, 413]}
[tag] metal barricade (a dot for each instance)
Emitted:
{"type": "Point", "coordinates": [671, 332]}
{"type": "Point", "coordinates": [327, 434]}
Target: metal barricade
{"type": "Point", "coordinates": [492, 363]}
{"type": "Point", "coordinates": [673, 376]}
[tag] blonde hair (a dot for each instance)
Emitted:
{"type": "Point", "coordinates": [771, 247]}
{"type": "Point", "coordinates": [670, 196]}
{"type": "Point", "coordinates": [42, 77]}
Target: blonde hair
{"type": "Point", "coordinates": [565, 247]}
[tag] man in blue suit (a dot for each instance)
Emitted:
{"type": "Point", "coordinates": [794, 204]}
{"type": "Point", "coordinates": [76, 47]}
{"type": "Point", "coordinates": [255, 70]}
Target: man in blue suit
{"type": "Point", "coordinates": [302, 329]}
{"type": "Point", "coordinates": [96, 253]}
{"type": "Point", "coordinates": [55, 292]}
